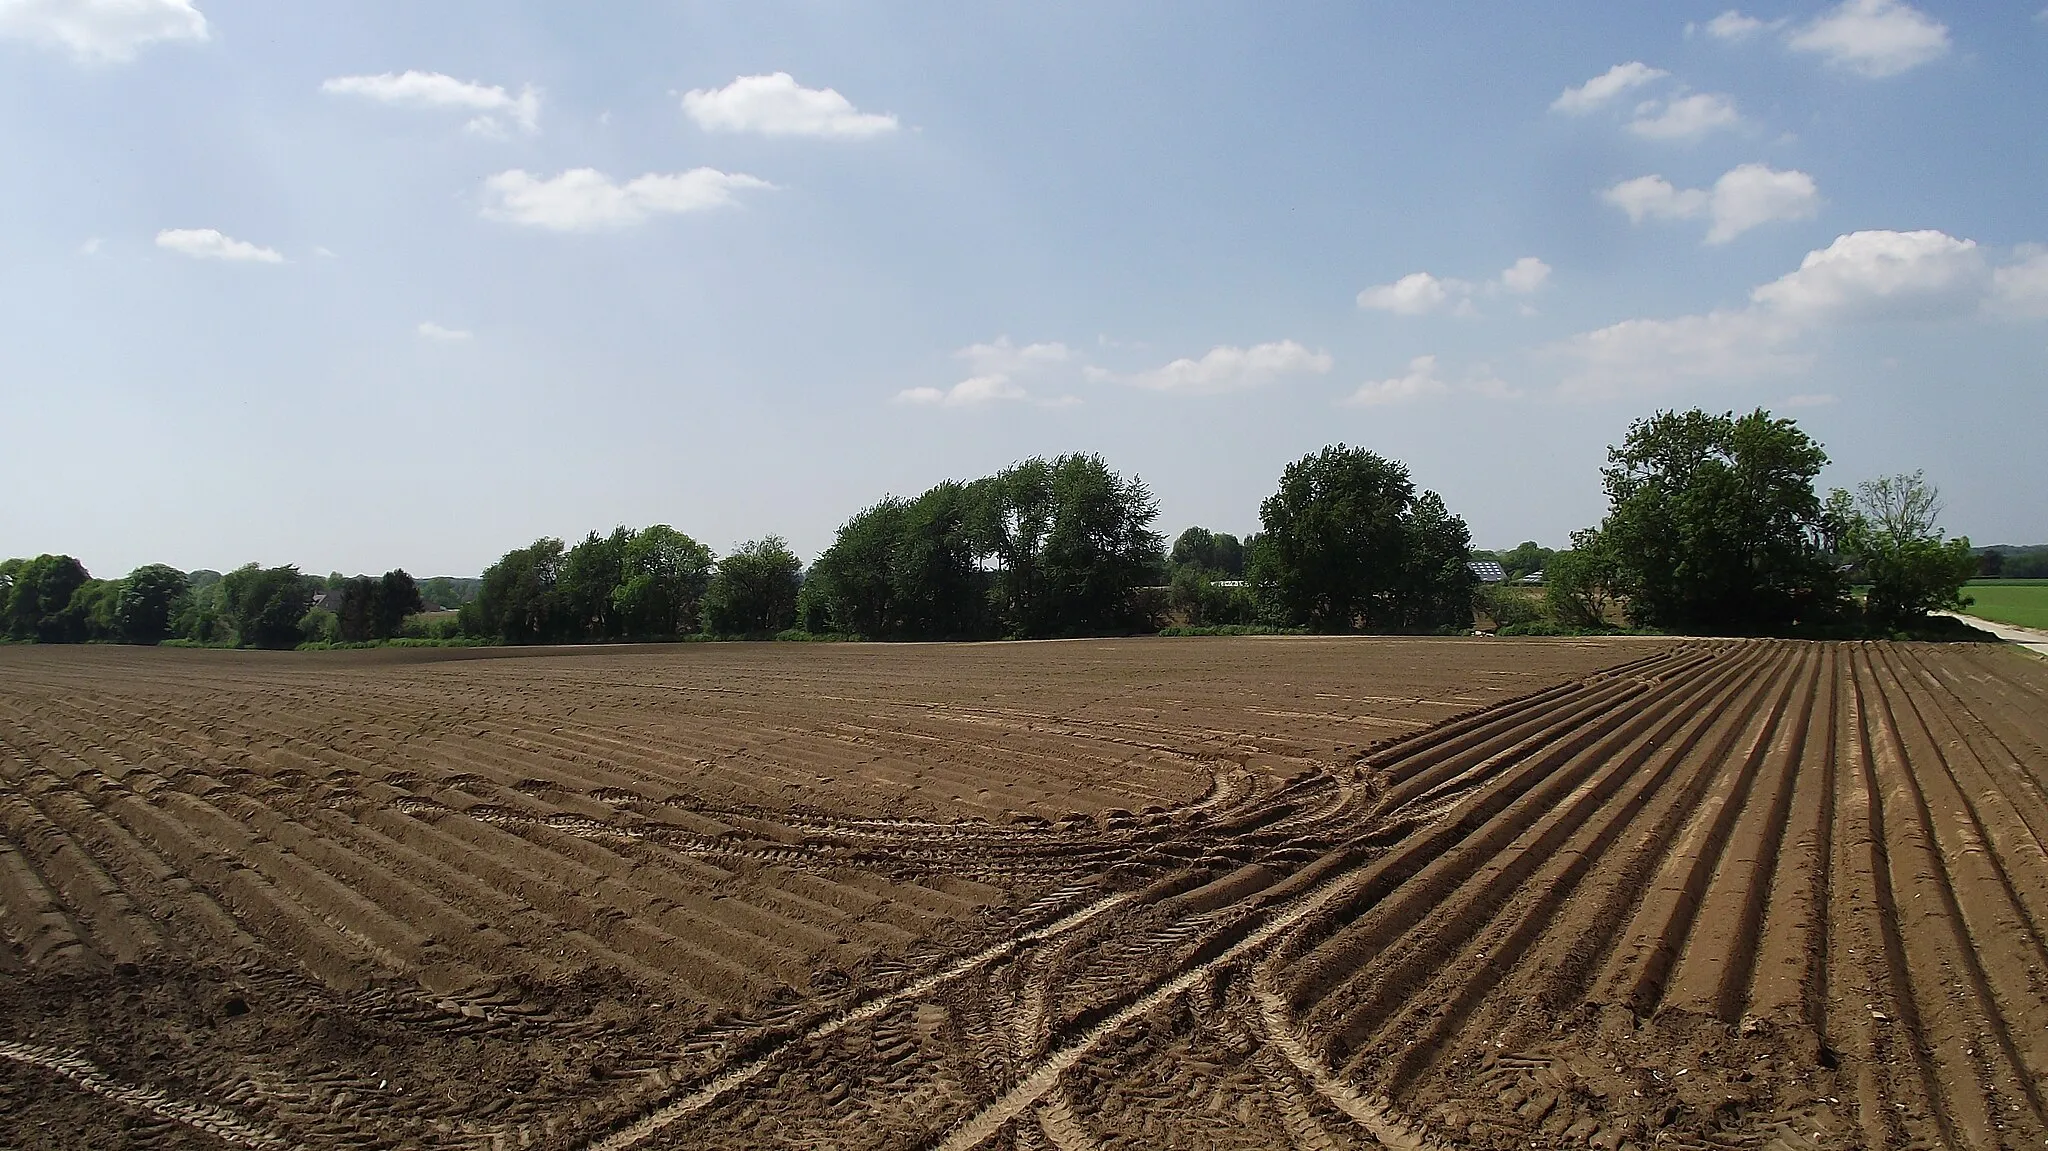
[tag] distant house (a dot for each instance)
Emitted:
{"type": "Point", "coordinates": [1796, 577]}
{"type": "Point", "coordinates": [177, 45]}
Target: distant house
{"type": "Point", "coordinates": [1487, 571]}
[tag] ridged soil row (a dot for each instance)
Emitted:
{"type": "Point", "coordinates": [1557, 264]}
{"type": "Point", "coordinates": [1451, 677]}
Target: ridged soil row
{"type": "Point", "coordinates": [1969, 922]}
{"type": "Point", "coordinates": [1396, 892]}
{"type": "Point", "coordinates": [1778, 973]}
{"type": "Point", "coordinates": [1620, 824]}
{"type": "Point", "coordinates": [116, 928]}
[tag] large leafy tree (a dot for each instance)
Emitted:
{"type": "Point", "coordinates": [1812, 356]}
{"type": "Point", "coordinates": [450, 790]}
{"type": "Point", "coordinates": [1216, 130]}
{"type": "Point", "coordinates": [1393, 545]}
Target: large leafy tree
{"type": "Point", "coordinates": [151, 599]}
{"type": "Point", "coordinates": [1349, 545]}
{"type": "Point", "coordinates": [266, 604]}
{"type": "Point", "coordinates": [397, 596]}
{"type": "Point", "coordinates": [754, 590]}
{"type": "Point", "coordinates": [1071, 541]}
{"type": "Point", "coordinates": [1895, 534]}
{"type": "Point", "coordinates": [903, 569]}
{"type": "Point", "coordinates": [520, 601]}
{"type": "Point", "coordinates": [663, 577]}
{"type": "Point", "coordinates": [591, 572]}
{"type": "Point", "coordinates": [1219, 554]}
{"type": "Point", "coordinates": [1713, 524]}
{"type": "Point", "coordinates": [38, 605]}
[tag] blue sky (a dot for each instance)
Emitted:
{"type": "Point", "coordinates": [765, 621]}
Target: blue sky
{"type": "Point", "coordinates": [394, 284]}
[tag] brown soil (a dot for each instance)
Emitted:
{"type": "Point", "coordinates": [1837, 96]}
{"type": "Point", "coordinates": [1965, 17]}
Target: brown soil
{"type": "Point", "coordinates": [1202, 893]}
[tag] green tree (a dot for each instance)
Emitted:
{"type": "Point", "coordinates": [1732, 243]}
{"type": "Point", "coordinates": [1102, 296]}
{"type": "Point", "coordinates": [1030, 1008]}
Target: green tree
{"type": "Point", "coordinates": [1072, 542]}
{"type": "Point", "coordinates": [152, 597]}
{"type": "Point", "coordinates": [591, 575]}
{"type": "Point", "coordinates": [355, 610]}
{"type": "Point", "coordinates": [1713, 525]}
{"type": "Point", "coordinates": [94, 610]}
{"type": "Point", "coordinates": [39, 600]}
{"type": "Point", "coordinates": [664, 576]}
{"type": "Point", "coordinates": [395, 598]}
{"type": "Point", "coordinates": [1897, 537]}
{"type": "Point", "coordinates": [1578, 583]}
{"type": "Point", "coordinates": [520, 601]}
{"type": "Point", "coordinates": [1348, 545]}
{"type": "Point", "coordinates": [1219, 553]}
{"type": "Point", "coordinates": [1525, 558]}
{"type": "Point", "coordinates": [754, 590]}
{"type": "Point", "coordinates": [266, 604]}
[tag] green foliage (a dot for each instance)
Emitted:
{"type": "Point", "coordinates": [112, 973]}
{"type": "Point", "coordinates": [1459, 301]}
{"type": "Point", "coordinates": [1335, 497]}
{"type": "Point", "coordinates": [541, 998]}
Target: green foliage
{"type": "Point", "coordinates": [1207, 551]}
{"type": "Point", "coordinates": [520, 601]}
{"type": "Point", "coordinates": [1071, 542]}
{"type": "Point", "coordinates": [1896, 537]}
{"type": "Point", "coordinates": [590, 573]}
{"type": "Point", "coordinates": [1525, 558]}
{"type": "Point", "coordinates": [152, 598]}
{"type": "Point", "coordinates": [664, 574]}
{"type": "Point", "coordinates": [902, 569]}
{"type": "Point", "coordinates": [754, 590]}
{"type": "Point", "coordinates": [1230, 629]}
{"type": "Point", "coordinates": [1506, 606]}
{"type": "Point", "coordinates": [1713, 525]}
{"type": "Point", "coordinates": [38, 605]}
{"type": "Point", "coordinates": [1196, 599]}
{"type": "Point", "coordinates": [265, 605]}
{"type": "Point", "coordinates": [447, 593]}
{"type": "Point", "coordinates": [93, 613]}
{"type": "Point", "coordinates": [1348, 545]}
{"type": "Point", "coordinates": [319, 626]}
{"type": "Point", "coordinates": [1578, 585]}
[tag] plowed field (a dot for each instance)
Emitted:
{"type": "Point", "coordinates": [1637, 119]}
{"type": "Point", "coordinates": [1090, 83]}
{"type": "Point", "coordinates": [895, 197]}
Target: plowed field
{"type": "Point", "coordinates": [1315, 894]}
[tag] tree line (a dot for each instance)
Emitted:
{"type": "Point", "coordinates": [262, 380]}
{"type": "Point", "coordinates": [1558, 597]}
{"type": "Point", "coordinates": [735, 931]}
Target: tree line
{"type": "Point", "coordinates": [1713, 526]}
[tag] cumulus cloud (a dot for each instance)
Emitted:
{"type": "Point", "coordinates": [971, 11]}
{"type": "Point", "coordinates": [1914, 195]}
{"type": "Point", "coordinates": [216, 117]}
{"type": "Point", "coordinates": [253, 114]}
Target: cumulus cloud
{"type": "Point", "coordinates": [1525, 275]}
{"type": "Point", "coordinates": [2021, 289]}
{"type": "Point", "coordinates": [1743, 198]}
{"type": "Point", "coordinates": [433, 90]}
{"type": "Point", "coordinates": [210, 244]}
{"type": "Point", "coordinates": [1231, 369]}
{"type": "Point", "coordinates": [1875, 38]}
{"type": "Point", "coordinates": [584, 199]}
{"type": "Point", "coordinates": [776, 105]}
{"type": "Point", "coordinates": [1414, 294]}
{"type": "Point", "coordinates": [1606, 86]}
{"type": "Point", "coordinates": [1860, 277]}
{"type": "Point", "coordinates": [1869, 274]}
{"type": "Point", "coordinates": [432, 331]}
{"type": "Point", "coordinates": [969, 392]}
{"type": "Point", "coordinates": [1686, 118]}
{"type": "Point", "coordinates": [1420, 293]}
{"type": "Point", "coordinates": [1732, 25]}
{"type": "Point", "coordinates": [101, 31]}
{"type": "Point", "coordinates": [1419, 381]}
{"type": "Point", "coordinates": [995, 368]}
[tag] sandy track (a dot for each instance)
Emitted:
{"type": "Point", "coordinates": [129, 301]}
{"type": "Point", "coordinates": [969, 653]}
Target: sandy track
{"type": "Point", "coordinates": [1086, 896]}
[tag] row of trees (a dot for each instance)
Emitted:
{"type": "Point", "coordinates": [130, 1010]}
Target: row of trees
{"type": "Point", "coordinates": [53, 599]}
{"type": "Point", "coordinates": [1714, 526]}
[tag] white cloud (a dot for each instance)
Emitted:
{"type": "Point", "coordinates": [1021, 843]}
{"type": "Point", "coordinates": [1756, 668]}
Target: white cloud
{"type": "Point", "coordinates": [584, 199]}
{"type": "Point", "coordinates": [1421, 380]}
{"type": "Point", "coordinates": [1420, 293]}
{"type": "Point", "coordinates": [1685, 118]}
{"type": "Point", "coordinates": [2021, 289]}
{"type": "Point", "coordinates": [433, 331]}
{"type": "Point", "coordinates": [1875, 38]}
{"type": "Point", "coordinates": [1743, 198]}
{"type": "Point", "coordinates": [1414, 294]}
{"type": "Point", "coordinates": [1860, 277]}
{"type": "Point", "coordinates": [969, 392]}
{"type": "Point", "coordinates": [1525, 275]}
{"type": "Point", "coordinates": [1003, 358]}
{"type": "Point", "coordinates": [435, 90]}
{"type": "Point", "coordinates": [101, 31]}
{"type": "Point", "coordinates": [1232, 369]}
{"type": "Point", "coordinates": [91, 247]}
{"type": "Point", "coordinates": [1606, 86]}
{"type": "Point", "coordinates": [1733, 25]}
{"type": "Point", "coordinates": [1877, 273]}
{"type": "Point", "coordinates": [209, 244]}
{"type": "Point", "coordinates": [776, 105]}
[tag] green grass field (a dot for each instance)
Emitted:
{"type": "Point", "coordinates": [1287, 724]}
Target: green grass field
{"type": "Point", "coordinates": [2023, 603]}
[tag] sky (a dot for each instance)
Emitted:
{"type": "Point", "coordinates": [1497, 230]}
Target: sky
{"type": "Point", "coordinates": [390, 284]}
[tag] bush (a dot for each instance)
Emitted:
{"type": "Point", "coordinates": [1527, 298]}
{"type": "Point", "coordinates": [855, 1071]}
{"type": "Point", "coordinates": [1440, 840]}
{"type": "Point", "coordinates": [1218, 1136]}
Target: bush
{"type": "Point", "coordinates": [1507, 606]}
